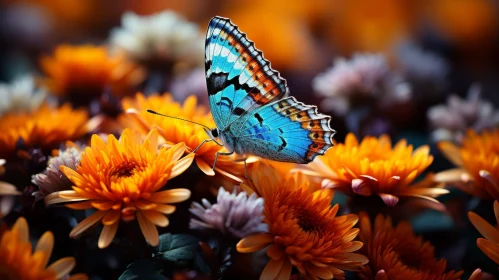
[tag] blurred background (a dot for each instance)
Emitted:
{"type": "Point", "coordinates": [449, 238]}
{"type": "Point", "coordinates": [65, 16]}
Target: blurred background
{"type": "Point", "coordinates": [424, 70]}
{"type": "Point", "coordinates": [449, 44]}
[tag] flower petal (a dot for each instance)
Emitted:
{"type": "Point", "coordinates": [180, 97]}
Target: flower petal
{"type": "Point", "coordinates": [388, 199]}
{"type": "Point", "coordinates": [6, 204]}
{"type": "Point", "coordinates": [8, 189]}
{"type": "Point", "coordinates": [112, 217]}
{"type": "Point", "coordinates": [165, 208]}
{"type": "Point", "coordinates": [254, 242]}
{"type": "Point", "coordinates": [178, 150]}
{"type": "Point", "coordinates": [22, 230]}
{"type": "Point", "coordinates": [361, 187]}
{"type": "Point", "coordinates": [156, 218]}
{"type": "Point", "coordinates": [148, 229]}
{"type": "Point", "coordinates": [204, 167]}
{"type": "Point", "coordinates": [86, 223]}
{"type": "Point", "coordinates": [450, 176]}
{"type": "Point", "coordinates": [489, 248]}
{"type": "Point", "coordinates": [80, 205]}
{"type": "Point", "coordinates": [180, 166]}
{"type": "Point", "coordinates": [63, 267]}
{"type": "Point", "coordinates": [272, 269]}
{"type": "Point", "coordinates": [79, 276]}
{"type": "Point", "coordinates": [107, 235]}
{"type": "Point", "coordinates": [275, 252]}
{"type": "Point", "coordinates": [451, 152]}
{"type": "Point", "coordinates": [44, 247]}
{"type": "Point", "coordinates": [486, 229]}
{"type": "Point", "coordinates": [135, 115]}
{"type": "Point", "coordinates": [228, 175]}
{"type": "Point", "coordinates": [170, 196]}
{"type": "Point", "coordinates": [285, 272]}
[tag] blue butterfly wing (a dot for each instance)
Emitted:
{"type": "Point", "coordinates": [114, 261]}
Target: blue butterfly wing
{"type": "Point", "coordinates": [284, 130]}
{"type": "Point", "coordinates": [239, 78]}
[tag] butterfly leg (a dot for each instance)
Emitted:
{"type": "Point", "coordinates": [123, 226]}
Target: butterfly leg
{"type": "Point", "coordinates": [206, 141]}
{"type": "Point", "coordinates": [223, 154]}
{"type": "Point", "coordinates": [245, 167]}
{"type": "Point", "coordinates": [246, 170]}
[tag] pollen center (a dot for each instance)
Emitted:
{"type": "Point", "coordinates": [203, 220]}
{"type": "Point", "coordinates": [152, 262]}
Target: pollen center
{"type": "Point", "coordinates": [125, 169]}
{"type": "Point", "coordinates": [307, 222]}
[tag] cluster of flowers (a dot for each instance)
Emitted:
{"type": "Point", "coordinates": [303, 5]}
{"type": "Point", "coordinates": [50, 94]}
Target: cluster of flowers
{"type": "Point", "coordinates": [370, 87]}
{"type": "Point", "coordinates": [102, 152]}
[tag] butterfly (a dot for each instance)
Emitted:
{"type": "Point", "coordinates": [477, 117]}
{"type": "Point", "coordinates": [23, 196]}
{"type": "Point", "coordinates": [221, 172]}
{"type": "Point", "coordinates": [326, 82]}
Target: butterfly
{"type": "Point", "coordinates": [250, 104]}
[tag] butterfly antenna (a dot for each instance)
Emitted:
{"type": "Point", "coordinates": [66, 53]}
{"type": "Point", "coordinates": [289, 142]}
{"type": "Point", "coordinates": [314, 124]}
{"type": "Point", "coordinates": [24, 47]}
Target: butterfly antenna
{"type": "Point", "coordinates": [159, 114]}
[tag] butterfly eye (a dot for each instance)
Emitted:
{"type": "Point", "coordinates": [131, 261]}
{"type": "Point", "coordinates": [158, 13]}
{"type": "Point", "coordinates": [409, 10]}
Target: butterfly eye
{"type": "Point", "coordinates": [214, 132]}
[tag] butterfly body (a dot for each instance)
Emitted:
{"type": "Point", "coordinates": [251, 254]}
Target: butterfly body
{"type": "Point", "coordinates": [250, 104]}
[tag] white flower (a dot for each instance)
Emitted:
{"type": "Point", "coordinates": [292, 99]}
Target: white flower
{"type": "Point", "coordinates": [234, 214]}
{"type": "Point", "coordinates": [425, 69]}
{"type": "Point", "coordinates": [165, 36]}
{"type": "Point", "coordinates": [52, 179]}
{"type": "Point", "coordinates": [20, 96]}
{"type": "Point", "coordinates": [450, 121]}
{"type": "Point", "coordinates": [364, 77]}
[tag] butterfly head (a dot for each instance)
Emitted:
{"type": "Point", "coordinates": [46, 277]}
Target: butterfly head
{"type": "Point", "coordinates": [213, 133]}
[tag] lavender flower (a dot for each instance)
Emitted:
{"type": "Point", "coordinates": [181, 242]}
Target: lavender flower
{"type": "Point", "coordinates": [52, 179]}
{"type": "Point", "coordinates": [364, 77]}
{"type": "Point", "coordinates": [450, 121]}
{"type": "Point", "coordinates": [20, 96]}
{"type": "Point", "coordinates": [192, 82]}
{"type": "Point", "coordinates": [234, 214]}
{"type": "Point", "coordinates": [165, 36]}
{"type": "Point", "coordinates": [425, 70]}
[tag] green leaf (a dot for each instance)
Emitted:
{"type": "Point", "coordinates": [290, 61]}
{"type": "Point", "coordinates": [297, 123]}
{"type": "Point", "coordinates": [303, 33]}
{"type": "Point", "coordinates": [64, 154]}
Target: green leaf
{"type": "Point", "coordinates": [182, 250]}
{"type": "Point", "coordinates": [142, 269]}
{"type": "Point", "coordinates": [177, 247]}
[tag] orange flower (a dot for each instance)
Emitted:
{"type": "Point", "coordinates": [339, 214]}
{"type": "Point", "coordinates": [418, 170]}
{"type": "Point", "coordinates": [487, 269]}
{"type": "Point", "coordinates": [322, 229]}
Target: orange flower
{"type": "Point", "coordinates": [83, 72]}
{"type": "Point", "coordinates": [289, 44]}
{"type": "Point", "coordinates": [465, 22]}
{"type": "Point", "coordinates": [177, 131]}
{"type": "Point", "coordinates": [362, 25]}
{"type": "Point", "coordinates": [373, 167]}
{"type": "Point", "coordinates": [478, 164]}
{"type": "Point", "coordinates": [44, 128]}
{"type": "Point", "coordinates": [267, 172]}
{"type": "Point", "coordinates": [304, 231]}
{"type": "Point", "coordinates": [122, 179]}
{"type": "Point", "coordinates": [396, 253]}
{"type": "Point", "coordinates": [490, 244]}
{"type": "Point", "coordinates": [18, 261]}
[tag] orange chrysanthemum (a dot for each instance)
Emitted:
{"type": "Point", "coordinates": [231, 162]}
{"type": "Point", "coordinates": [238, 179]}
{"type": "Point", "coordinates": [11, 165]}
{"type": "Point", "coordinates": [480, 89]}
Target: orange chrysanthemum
{"type": "Point", "coordinates": [478, 164]}
{"type": "Point", "coordinates": [20, 263]}
{"type": "Point", "coordinates": [177, 131]}
{"type": "Point", "coordinates": [396, 253]}
{"type": "Point", "coordinates": [304, 231]}
{"type": "Point", "coordinates": [490, 244]}
{"type": "Point", "coordinates": [373, 167]}
{"type": "Point", "coordinates": [44, 128]}
{"type": "Point", "coordinates": [84, 72]}
{"type": "Point", "coordinates": [122, 179]}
